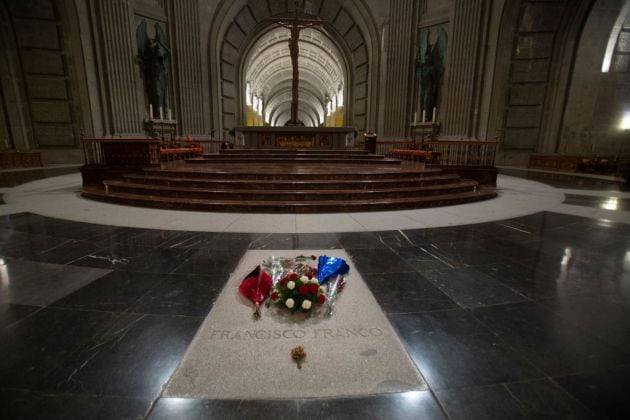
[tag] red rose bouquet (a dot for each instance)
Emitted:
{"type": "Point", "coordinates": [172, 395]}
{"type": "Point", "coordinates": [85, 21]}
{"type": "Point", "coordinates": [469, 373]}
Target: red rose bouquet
{"type": "Point", "coordinates": [299, 293]}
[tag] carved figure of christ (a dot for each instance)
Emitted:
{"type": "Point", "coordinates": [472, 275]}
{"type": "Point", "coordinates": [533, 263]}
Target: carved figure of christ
{"type": "Point", "coordinates": [295, 25]}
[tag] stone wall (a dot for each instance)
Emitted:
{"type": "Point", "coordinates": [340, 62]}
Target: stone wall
{"type": "Point", "coordinates": [526, 72]}
{"type": "Point", "coordinates": [536, 46]}
{"type": "Point", "coordinates": [599, 100]}
{"type": "Point", "coordinates": [40, 94]}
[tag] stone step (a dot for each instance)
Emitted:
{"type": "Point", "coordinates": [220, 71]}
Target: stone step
{"type": "Point", "coordinates": [294, 151]}
{"type": "Point", "coordinates": [284, 157]}
{"type": "Point", "coordinates": [289, 171]}
{"type": "Point", "coordinates": [381, 160]}
{"type": "Point", "coordinates": [319, 206]}
{"type": "Point", "coordinates": [284, 184]}
{"type": "Point", "coordinates": [288, 195]}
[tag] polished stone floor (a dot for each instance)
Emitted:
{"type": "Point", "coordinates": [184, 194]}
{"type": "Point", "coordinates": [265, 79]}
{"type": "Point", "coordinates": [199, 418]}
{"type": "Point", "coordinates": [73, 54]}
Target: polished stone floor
{"type": "Point", "coordinates": [527, 317]}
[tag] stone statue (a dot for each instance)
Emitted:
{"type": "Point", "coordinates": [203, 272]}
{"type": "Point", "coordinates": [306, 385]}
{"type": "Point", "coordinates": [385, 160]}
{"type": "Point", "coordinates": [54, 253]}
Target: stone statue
{"type": "Point", "coordinates": [154, 57]}
{"type": "Point", "coordinates": [429, 70]}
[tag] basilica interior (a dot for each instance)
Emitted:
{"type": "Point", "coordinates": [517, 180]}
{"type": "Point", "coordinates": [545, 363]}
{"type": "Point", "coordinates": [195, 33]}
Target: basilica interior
{"type": "Point", "coordinates": [470, 159]}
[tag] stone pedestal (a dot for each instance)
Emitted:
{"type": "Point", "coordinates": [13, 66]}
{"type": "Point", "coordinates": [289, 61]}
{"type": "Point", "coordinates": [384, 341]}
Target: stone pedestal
{"type": "Point", "coordinates": [424, 131]}
{"type": "Point", "coordinates": [160, 128]}
{"type": "Point", "coordinates": [339, 138]}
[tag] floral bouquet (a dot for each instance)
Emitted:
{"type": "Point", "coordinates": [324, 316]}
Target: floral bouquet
{"type": "Point", "coordinates": [299, 293]}
{"type": "Point", "coordinates": [256, 287]}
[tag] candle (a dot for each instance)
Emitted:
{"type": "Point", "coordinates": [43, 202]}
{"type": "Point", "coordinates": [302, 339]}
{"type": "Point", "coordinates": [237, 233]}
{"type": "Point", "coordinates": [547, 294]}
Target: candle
{"type": "Point", "coordinates": [161, 114]}
{"type": "Point", "coordinates": [424, 115]}
{"type": "Point", "coordinates": [151, 111]}
{"type": "Point", "coordinates": [434, 114]}
{"type": "Point", "coordinates": [170, 114]}
{"type": "Point", "coordinates": [415, 116]}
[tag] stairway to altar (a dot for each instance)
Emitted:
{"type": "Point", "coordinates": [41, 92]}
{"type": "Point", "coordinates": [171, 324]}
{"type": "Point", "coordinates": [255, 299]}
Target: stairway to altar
{"type": "Point", "coordinates": [291, 181]}
{"type": "Point", "coordinates": [294, 156]}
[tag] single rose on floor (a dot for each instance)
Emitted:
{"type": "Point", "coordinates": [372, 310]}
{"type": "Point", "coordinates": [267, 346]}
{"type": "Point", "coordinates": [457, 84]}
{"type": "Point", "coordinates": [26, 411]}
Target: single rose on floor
{"type": "Point", "coordinates": [298, 355]}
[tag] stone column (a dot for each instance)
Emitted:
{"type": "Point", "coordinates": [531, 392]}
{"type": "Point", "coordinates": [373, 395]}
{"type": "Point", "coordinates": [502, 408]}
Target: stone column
{"type": "Point", "coordinates": [399, 68]}
{"type": "Point", "coordinates": [118, 55]}
{"type": "Point", "coordinates": [464, 69]}
{"type": "Point", "coordinates": [186, 66]}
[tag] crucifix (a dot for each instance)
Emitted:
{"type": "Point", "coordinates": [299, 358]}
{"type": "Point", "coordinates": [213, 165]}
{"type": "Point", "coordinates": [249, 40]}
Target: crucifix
{"type": "Point", "coordinates": [295, 23]}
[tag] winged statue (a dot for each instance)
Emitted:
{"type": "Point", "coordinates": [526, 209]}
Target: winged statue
{"type": "Point", "coordinates": [430, 64]}
{"type": "Point", "coordinates": [154, 56]}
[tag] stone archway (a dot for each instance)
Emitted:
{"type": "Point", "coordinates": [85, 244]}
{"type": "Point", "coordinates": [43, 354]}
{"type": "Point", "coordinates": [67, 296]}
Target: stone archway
{"type": "Point", "coordinates": [246, 20]}
{"type": "Point", "coordinates": [531, 83]}
{"type": "Point", "coordinates": [323, 73]}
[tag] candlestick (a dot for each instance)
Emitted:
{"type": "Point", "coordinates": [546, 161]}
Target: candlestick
{"type": "Point", "coordinates": [150, 111]}
{"type": "Point", "coordinates": [434, 114]}
{"type": "Point", "coordinates": [424, 115]}
{"type": "Point", "coordinates": [161, 114]}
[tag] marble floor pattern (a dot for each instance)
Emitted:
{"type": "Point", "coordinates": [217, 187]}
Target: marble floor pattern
{"type": "Point", "coordinates": [524, 316]}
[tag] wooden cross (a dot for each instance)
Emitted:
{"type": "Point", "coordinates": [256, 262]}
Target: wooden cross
{"type": "Point", "coordinates": [295, 23]}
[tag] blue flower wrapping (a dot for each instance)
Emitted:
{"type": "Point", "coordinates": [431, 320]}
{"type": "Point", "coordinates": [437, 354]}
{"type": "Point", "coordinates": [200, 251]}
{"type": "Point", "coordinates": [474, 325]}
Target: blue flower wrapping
{"type": "Point", "coordinates": [329, 267]}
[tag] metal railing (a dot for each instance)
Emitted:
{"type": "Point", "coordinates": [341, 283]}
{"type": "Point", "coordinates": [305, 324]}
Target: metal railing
{"type": "Point", "coordinates": [384, 146]}
{"type": "Point", "coordinates": [464, 152]}
{"type": "Point", "coordinates": [445, 152]}
{"type": "Point", "coordinates": [121, 152]}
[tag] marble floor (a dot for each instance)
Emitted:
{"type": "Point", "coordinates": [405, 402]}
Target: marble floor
{"type": "Point", "coordinates": [518, 308]}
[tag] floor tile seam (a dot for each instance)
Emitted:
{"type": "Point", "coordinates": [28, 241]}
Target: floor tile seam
{"type": "Point", "coordinates": [513, 290]}
{"type": "Point", "coordinates": [457, 307]}
{"type": "Point", "coordinates": [595, 193]}
{"type": "Point", "coordinates": [54, 305]}
{"type": "Point", "coordinates": [49, 271]}
{"type": "Point", "coordinates": [572, 397]}
{"type": "Point", "coordinates": [13, 324]}
{"type": "Point", "coordinates": [468, 308]}
{"type": "Point", "coordinates": [590, 371]}
{"type": "Point", "coordinates": [623, 215]}
{"type": "Point", "coordinates": [591, 336]}
{"type": "Point", "coordinates": [145, 294]}
{"type": "Point", "coordinates": [579, 326]}
{"type": "Point", "coordinates": [85, 346]}
{"type": "Point", "coordinates": [513, 350]}
{"type": "Point", "coordinates": [80, 258]}
{"type": "Point", "coordinates": [561, 173]}
{"type": "Point", "coordinates": [47, 393]}
{"type": "Point", "coordinates": [497, 384]}
{"type": "Point", "coordinates": [593, 206]}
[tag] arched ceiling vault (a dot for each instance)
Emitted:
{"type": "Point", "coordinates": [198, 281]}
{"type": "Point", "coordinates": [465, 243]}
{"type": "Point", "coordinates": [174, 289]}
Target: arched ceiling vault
{"type": "Point", "coordinates": [305, 109]}
{"type": "Point", "coordinates": [268, 71]}
{"type": "Point", "coordinates": [304, 105]}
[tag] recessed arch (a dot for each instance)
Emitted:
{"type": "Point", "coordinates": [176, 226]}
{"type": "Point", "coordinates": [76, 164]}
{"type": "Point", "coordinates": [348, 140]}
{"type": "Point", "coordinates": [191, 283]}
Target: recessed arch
{"type": "Point", "coordinates": [268, 68]}
{"type": "Point", "coordinates": [240, 23]}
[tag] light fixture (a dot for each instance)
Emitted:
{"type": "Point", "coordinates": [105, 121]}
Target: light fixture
{"type": "Point", "coordinates": [611, 204]}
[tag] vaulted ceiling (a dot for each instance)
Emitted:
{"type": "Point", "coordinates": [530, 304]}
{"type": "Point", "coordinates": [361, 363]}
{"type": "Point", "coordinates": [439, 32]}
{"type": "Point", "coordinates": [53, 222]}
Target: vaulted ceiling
{"type": "Point", "coordinates": [268, 72]}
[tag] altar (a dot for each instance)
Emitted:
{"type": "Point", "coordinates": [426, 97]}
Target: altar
{"type": "Point", "coordinates": [335, 138]}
